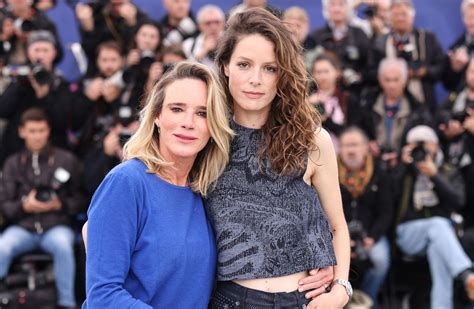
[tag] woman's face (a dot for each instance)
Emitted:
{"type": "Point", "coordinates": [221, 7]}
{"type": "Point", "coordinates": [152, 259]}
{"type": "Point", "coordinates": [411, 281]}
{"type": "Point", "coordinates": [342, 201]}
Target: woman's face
{"type": "Point", "coordinates": [182, 121]}
{"type": "Point", "coordinates": [253, 75]}
{"type": "Point", "coordinates": [147, 38]}
{"type": "Point", "coordinates": [325, 75]}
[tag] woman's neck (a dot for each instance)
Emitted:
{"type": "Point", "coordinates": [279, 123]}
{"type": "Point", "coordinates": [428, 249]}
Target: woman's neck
{"type": "Point", "coordinates": [330, 90]}
{"type": "Point", "coordinates": [178, 173]}
{"type": "Point", "coordinates": [252, 120]}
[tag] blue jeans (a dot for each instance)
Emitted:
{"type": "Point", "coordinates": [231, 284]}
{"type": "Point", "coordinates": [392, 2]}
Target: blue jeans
{"type": "Point", "coordinates": [374, 277]}
{"type": "Point", "coordinates": [228, 295]}
{"type": "Point", "coordinates": [435, 238]}
{"type": "Point", "coordinates": [57, 241]}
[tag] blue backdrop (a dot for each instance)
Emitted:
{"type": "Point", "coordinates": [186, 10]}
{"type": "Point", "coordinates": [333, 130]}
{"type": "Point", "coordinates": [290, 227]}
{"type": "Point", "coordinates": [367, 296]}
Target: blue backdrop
{"type": "Point", "coordinates": [440, 16]}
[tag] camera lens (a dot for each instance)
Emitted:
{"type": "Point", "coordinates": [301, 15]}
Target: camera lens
{"type": "Point", "coordinates": [43, 194]}
{"type": "Point", "coordinates": [41, 75]}
{"type": "Point", "coordinates": [418, 153]}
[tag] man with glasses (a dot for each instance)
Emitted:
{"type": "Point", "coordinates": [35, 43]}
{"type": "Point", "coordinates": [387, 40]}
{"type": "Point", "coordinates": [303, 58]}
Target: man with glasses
{"type": "Point", "coordinates": [211, 20]}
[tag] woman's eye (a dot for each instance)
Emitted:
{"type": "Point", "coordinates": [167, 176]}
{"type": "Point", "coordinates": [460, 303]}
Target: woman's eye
{"type": "Point", "coordinates": [271, 69]}
{"type": "Point", "coordinates": [202, 114]}
{"type": "Point", "coordinates": [176, 109]}
{"type": "Point", "coordinates": [243, 65]}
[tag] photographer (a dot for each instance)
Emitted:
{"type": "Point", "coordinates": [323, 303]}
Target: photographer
{"type": "Point", "coordinates": [144, 50]}
{"type": "Point", "coordinates": [419, 48]}
{"type": "Point", "coordinates": [376, 17]}
{"type": "Point", "coordinates": [349, 43]}
{"type": "Point", "coordinates": [179, 23]}
{"type": "Point", "coordinates": [456, 124]}
{"type": "Point", "coordinates": [429, 191]}
{"type": "Point", "coordinates": [20, 19]}
{"type": "Point", "coordinates": [211, 20]}
{"type": "Point", "coordinates": [367, 201]}
{"type": "Point", "coordinates": [108, 20]}
{"type": "Point", "coordinates": [107, 152]}
{"type": "Point", "coordinates": [41, 185]}
{"type": "Point", "coordinates": [460, 51]}
{"type": "Point", "coordinates": [388, 114]}
{"type": "Point", "coordinates": [99, 96]}
{"type": "Point", "coordinates": [42, 87]}
{"type": "Point", "coordinates": [297, 20]}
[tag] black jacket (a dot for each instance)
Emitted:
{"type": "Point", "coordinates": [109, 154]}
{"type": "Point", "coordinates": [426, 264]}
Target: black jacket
{"type": "Point", "coordinates": [20, 179]}
{"type": "Point", "coordinates": [431, 55]}
{"type": "Point", "coordinates": [454, 81]}
{"type": "Point", "coordinates": [448, 186]}
{"type": "Point", "coordinates": [374, 208]}
{"type": "Point", "coordinates": [108, 28]}
{"type": "Point", "coordinates": [20, 96]}
{"type": "Point", "coordinates": [352, 50]}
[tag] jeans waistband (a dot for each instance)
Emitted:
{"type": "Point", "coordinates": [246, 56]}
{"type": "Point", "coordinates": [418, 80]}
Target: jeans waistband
{"type": "Point", "coordinates": [251, 297]}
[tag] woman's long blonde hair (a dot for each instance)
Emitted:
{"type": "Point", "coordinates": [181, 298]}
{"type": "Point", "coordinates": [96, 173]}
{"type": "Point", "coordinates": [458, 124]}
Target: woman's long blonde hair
{"type": "Point", "coordinates": [211, 161]}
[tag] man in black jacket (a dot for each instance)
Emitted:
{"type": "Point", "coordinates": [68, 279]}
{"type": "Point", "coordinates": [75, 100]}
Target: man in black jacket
{"type": "Point", "coordinates": [420, 48]}
{"type": "Point", "coordinates": [430, 190]}
{"type": "Point", "coordinates": [367, 201]}
{"type": "Point", "coordinates": [110, 20]}
{"type": "Point", "coordinates": [460, 51]}
{"type": "Point", "coordinates": [41, 187]}
{"type": "Point", "coordinates": [43, 88]}
{"type": "Point", "coordinates": [349, 43]}
{"type": "Point", "coordinates": [20, 19]}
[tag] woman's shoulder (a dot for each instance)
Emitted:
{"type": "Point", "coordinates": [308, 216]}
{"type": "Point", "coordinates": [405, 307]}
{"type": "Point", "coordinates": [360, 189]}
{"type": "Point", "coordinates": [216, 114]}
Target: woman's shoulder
{"type": "Point", "coordinates": [129, 168]}
{"type": "Point", "coordinates": [324, 147]}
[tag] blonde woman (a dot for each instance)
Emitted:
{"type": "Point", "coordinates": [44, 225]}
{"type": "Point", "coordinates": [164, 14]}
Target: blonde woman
{"type": "Point", "coordinates": [149, 242]}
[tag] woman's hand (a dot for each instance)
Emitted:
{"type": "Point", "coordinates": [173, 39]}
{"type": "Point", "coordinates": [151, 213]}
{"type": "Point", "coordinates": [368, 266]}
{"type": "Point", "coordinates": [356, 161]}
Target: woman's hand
{"type": "Point", "coordinates": [317, 281]}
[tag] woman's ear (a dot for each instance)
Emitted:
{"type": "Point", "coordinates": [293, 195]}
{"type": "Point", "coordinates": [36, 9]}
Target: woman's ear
{"type": "Point", "coordinates": [226, 70]}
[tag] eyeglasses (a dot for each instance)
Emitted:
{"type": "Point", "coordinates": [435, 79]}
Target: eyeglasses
{"type": "Point", "coordinates": [212, 22]}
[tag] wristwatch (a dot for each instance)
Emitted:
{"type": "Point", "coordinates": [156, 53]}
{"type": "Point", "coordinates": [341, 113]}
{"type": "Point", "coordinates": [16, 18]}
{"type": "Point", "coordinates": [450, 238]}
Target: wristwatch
{"type": "Point", "coordinates": [346, 284]}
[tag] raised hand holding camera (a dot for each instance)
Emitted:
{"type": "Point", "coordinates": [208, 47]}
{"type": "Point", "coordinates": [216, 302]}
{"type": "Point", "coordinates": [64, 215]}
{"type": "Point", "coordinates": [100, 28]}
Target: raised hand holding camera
{"type": "Point", "coordinates": [41, 90]}
{"type": "Point", "coordinates": [427, 167]}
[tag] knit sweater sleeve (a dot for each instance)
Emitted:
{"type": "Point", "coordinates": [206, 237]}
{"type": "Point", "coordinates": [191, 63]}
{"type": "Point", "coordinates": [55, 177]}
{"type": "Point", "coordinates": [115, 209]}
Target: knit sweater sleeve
{"type": "Point", "coordinates": [111, 237]}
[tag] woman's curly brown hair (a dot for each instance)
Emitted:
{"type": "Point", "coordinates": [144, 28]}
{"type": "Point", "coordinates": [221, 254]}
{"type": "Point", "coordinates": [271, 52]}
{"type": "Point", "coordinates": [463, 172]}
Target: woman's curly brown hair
{"type": "Point", "coordinates": [289, 133]}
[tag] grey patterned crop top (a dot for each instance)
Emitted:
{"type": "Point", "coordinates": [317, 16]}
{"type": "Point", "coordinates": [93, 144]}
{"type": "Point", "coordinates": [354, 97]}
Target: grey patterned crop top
{"type": "Point", "coordinates": [266, 225]}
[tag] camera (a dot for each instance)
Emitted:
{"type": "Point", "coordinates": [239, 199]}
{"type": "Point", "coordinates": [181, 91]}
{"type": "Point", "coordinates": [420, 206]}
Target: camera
{"type": "Point", "coordinates": [24, 25]}
{"type": "Point", "coordinates": [45, 193]}
{"type": "Point", "coordinates": [147, 57]}
{"type": "Point", "coordinates": [418, 154]}
{"type": "Point", "coordinates": [124, 136]}
{"type": "Point", "coordinates": [405, 51]}
{"type": "Point", "coordinates": [41, 74]}
{"type": "Point", "coordinates": [351, 77]}
{"type": "Point", "coordinates": [185, 28]}
{"type": "Point", "coordinates": [358, 234]}
{"type": "Point", "coordinates": [370, 11]}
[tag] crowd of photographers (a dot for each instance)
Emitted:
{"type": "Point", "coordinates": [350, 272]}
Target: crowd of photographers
{"type": "Point", "coordinates": [405, 155]}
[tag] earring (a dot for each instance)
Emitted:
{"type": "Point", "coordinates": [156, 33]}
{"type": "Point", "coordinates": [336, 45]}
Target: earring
{"type": "Point", "coordinates": [158, 128]}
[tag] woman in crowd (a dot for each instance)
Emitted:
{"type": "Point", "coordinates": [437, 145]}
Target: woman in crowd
{"type": "Point", "coordinates": [269, 207]}
{"type": "Point", "coordinates": [334, 104]}
{"type": "Point", "coordinates": [149, 242]}
{"type": "Point", "coordinates": [141, 64]}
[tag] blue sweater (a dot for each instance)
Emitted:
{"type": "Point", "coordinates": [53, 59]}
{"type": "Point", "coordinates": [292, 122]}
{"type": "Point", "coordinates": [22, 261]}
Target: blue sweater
{"type": "Point", "coordinates": [149, 244]}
